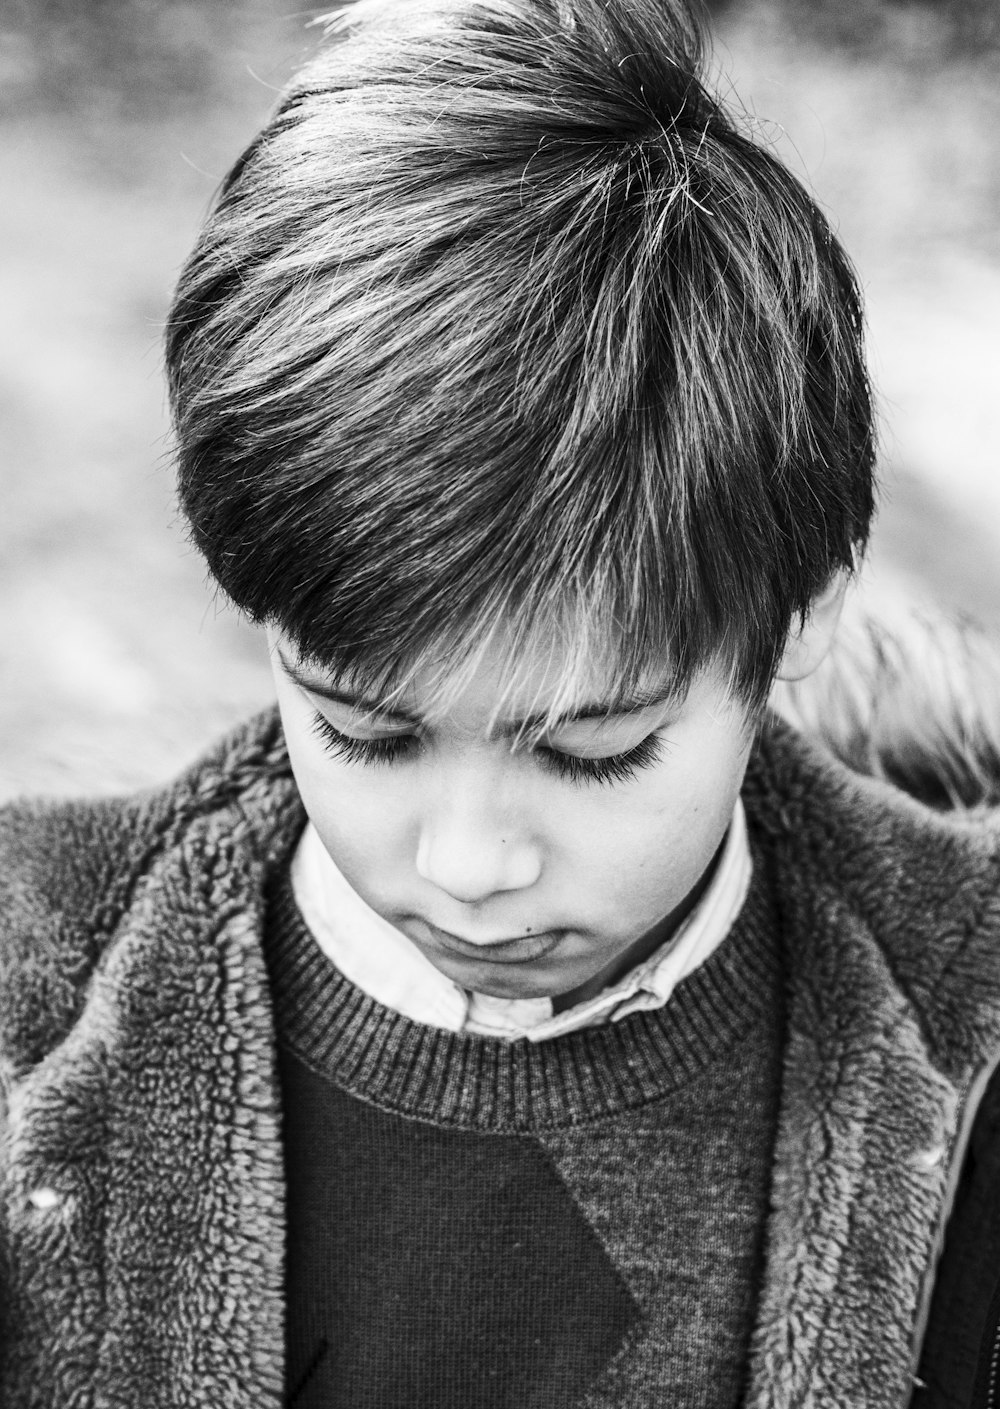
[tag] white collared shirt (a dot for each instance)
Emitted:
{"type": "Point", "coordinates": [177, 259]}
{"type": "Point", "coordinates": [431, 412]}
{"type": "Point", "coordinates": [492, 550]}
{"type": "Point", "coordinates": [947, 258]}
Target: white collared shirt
{"type": "Point", "coordinates": [385, 964]}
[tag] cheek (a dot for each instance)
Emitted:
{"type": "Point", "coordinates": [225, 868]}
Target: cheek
{"type": "Point", "coordinates": [354, 832]}
{"type": "Point", "coordinates": [652, 858]}
{"type": "Point", "coordinates": [355, 811]}
{"type": "Point", "coordinates": [696, 802]}
{"type": "Point", "coordinates": [654, 854]}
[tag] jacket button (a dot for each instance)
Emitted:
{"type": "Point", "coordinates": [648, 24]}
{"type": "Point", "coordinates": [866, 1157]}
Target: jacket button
{"type": "Point", "coordinates": [43, 1199]}
{"type": "Point", "coordinates": [929, 1159]}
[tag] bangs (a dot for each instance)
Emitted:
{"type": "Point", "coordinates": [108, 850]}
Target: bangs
{"type": "Point", "coordinates": [553, 654]}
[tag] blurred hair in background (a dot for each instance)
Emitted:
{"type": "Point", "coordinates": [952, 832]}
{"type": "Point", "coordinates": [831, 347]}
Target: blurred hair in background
{"type": "Point", "coordinates": [117, 120]}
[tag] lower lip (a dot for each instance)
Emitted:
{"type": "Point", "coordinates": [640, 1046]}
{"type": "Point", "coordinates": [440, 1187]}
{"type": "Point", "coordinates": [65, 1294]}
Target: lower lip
{"type": "Point", "coordinates": [508, 951]}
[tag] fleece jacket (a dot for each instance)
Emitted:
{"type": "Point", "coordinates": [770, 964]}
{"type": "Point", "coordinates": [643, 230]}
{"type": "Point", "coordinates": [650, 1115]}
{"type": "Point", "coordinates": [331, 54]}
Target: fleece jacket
{"type": "Point", "coordinates": [142, 1198]}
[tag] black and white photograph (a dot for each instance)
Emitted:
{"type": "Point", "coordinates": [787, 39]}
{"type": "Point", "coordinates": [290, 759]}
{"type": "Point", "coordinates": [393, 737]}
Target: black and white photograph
{"type": "Point", "coordinates": [500, 723]}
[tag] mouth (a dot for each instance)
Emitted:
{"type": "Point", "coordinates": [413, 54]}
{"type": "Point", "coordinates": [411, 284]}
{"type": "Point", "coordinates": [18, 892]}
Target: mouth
{"type": "Point", "coordinates": [518, 950]}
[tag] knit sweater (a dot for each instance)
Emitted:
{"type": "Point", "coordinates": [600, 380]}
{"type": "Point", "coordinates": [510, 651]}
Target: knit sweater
{"type": "Point", "coordinates": [142, 1191]}
{"type": "Point", "coordinates": [454, 1244]}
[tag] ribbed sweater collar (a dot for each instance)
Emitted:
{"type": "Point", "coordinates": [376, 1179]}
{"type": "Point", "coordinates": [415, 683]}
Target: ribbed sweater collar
{"type": "Point", "coordinates": [486, 1083]}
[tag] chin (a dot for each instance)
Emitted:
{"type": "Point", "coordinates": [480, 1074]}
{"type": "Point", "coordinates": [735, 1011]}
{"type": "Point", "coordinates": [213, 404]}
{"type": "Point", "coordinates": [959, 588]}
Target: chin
{"type": "Point", "coordinates": [497, 988]}
{"type": "Point", "coordinates": [493, 981]}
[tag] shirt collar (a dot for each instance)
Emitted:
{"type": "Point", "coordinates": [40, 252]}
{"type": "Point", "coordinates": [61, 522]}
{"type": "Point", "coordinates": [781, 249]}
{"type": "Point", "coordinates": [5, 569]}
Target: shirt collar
{"type": "Point", "coordinates": [385, 964]}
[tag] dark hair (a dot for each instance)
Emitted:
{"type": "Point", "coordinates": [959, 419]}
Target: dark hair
{"type": "Point", "coordinates": [502, 319]}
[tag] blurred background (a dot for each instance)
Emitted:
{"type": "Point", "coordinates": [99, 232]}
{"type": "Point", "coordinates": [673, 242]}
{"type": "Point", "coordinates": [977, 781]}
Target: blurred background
{"type": "Point", "coordinates": [117, 120]}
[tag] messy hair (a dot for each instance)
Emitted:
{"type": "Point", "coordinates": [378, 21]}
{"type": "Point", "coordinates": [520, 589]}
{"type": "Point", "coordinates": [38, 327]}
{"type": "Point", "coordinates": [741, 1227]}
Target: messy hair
{"type": "Point", "coordinates": [503, 320]}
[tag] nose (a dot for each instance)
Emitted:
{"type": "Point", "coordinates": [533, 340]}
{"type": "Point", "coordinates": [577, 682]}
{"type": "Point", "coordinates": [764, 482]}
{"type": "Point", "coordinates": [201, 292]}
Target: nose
{"type": "Point", "coordinates": [472, 849]}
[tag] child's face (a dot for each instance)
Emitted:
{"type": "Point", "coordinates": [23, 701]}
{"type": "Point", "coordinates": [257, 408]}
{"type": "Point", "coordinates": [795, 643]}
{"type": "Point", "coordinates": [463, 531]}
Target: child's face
{"type": "Point", "coordinates": [517, 871]}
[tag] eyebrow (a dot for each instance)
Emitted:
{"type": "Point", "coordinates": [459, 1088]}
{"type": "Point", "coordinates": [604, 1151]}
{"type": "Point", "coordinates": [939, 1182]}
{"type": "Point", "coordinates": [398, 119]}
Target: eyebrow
{"type": "Point", "coordinates": [344, 697]}
{"type": "Point", "coordinates": [630, 704]}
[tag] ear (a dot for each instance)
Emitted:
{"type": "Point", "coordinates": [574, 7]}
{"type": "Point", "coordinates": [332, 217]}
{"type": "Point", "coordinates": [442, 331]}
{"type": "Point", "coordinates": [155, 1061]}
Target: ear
{"type": "Point", "coordinates": [809, 641]}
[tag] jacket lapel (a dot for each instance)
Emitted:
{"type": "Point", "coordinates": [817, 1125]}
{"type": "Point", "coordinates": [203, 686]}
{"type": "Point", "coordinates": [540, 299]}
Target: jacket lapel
{"type": "Point", "coordinates": [866, 1131]}
{"type": "Point", "coordinates": [891, 921]}
{"type": "Point", "coordinates": [145, 1183]}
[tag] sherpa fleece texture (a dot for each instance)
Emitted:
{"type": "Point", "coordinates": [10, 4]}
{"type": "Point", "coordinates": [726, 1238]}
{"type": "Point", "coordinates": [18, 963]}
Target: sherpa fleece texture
{"type": "Point", "coordinates": [140, 1158]}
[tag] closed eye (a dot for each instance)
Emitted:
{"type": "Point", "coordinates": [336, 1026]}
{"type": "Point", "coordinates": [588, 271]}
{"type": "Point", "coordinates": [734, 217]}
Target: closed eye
{"type": "Point", "coordinates": [382, 748]}
{"type": "Point", "coordinates": [394, 748]}
{"type": "Point", "coordinates": [612, 768]}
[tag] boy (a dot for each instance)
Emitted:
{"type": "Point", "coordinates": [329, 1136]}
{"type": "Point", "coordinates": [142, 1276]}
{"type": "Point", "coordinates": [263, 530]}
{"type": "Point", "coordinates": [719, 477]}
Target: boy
{"type": "Point", "coordinates": [566, 1032]}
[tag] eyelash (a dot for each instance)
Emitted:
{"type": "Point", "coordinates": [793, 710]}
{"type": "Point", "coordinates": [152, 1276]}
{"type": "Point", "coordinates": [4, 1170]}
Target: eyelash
{"type": "Point", "coordinates": [616, 768]}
